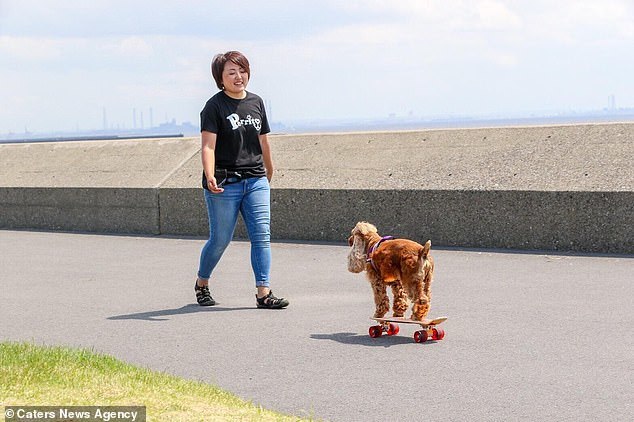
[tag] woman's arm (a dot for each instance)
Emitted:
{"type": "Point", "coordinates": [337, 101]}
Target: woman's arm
{"type": "Point", "coordinates": [208, 153]}
{"type": "Point", "coordinates": [267, 156]}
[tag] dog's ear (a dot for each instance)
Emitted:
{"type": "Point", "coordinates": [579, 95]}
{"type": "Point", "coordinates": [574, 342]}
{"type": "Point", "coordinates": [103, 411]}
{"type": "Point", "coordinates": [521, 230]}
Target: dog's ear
{"type": "Point", "coordinates": [425, 251]}
{"type": "Point", "coordinates": [351, 241]}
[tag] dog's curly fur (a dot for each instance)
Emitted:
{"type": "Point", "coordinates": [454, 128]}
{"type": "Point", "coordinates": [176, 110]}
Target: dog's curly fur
{"type": "Point", "coordinates": [404, 265]}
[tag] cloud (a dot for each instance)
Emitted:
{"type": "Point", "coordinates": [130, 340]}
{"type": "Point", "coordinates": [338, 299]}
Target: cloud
{"type": "Point", "coordinates": [495, 15]}
{"type": "Point", "coordinates": [131, 47]}
{"type": "Point", "coordinates": [30, 48]}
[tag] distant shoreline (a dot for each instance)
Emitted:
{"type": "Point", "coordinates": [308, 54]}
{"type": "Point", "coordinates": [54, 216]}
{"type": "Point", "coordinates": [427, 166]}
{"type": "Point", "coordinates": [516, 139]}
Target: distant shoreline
{"type": "Point", "coordinates": [395, 123]}
{"type": "Point", "coordinates": [87, 138]}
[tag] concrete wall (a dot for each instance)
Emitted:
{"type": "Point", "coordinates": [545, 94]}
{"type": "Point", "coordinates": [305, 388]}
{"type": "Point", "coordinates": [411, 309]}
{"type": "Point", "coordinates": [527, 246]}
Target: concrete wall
{"type": "Point", "coordinates": [551, 187]}
{"type": "Point", "coordinates": [106, 210]}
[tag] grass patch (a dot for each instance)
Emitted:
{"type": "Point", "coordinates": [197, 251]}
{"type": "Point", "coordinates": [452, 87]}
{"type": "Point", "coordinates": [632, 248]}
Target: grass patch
{"type": "Point", "coordinates": [60, 376]}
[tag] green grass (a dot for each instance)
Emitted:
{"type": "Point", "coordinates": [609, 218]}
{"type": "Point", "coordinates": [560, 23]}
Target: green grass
{"type": "Point", "coordinates": [59, 376]}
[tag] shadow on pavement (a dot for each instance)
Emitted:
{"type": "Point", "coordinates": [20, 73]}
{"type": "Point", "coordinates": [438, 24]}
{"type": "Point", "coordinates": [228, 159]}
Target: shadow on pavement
{"type": "Point", "coordinates": [187, 309]}
{"type": "Point", "coordinates": [365, 340]}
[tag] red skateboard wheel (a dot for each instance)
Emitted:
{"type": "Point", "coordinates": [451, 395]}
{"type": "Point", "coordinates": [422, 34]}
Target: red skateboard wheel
{"type": "Point", "coordinates": [420, 336]}
{"type": "Point", "coordinates": [439, 333]}
{"type": "Point", "coordinates": [375, 331]}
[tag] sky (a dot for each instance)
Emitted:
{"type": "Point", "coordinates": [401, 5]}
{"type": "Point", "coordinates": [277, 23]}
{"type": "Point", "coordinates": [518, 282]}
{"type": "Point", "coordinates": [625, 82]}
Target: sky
{"type": "Point", "coordinates": [63, 62]}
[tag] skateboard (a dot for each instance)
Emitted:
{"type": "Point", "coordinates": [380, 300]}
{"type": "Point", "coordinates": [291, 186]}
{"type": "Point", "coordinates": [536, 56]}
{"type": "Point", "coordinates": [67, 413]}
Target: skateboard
{"type": "Point", "coordinates": [390, 327]}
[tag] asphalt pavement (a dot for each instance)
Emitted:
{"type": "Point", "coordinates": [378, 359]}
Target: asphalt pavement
{"type": "Point", "coordinates": [529, 336]}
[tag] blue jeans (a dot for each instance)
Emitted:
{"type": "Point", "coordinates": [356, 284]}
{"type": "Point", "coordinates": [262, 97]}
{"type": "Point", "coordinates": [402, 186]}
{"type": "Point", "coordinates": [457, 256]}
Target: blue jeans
{"type": "Point", "coordinates": [252, 198]}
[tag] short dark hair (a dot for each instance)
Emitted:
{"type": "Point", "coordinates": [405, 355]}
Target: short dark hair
{"type": "Point", "coordinates": [220, 60]}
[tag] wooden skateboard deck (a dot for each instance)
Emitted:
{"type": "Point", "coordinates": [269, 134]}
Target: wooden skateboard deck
{"type": "Point", "coordinates": [422, 323]}
{"type": "Point", "coordinates": [390, 327]}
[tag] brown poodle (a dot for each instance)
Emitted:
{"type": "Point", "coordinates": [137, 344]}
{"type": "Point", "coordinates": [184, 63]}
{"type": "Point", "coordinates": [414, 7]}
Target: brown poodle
{"type": "Point", "coordinates": [404, 265]}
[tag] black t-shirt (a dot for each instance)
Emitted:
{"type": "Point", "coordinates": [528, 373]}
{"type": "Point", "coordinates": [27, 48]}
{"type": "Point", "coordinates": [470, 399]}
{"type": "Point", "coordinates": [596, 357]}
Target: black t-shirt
{"type": "Point", "coordinates": [237, 124]}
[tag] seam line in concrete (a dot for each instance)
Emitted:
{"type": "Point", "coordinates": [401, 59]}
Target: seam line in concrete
{"type": "Point", "coordinates": [159, 229]}
{"type": "Point", "coordinates": [176, 168]}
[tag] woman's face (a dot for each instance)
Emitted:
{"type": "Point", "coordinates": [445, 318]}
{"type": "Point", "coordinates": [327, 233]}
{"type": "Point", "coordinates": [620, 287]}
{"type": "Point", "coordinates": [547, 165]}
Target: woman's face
{"type": "Point", "coordinates": [235, 80]}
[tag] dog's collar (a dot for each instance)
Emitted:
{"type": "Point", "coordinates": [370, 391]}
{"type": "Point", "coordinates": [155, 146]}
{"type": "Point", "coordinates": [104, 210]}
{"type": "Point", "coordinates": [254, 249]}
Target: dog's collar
{"type": "Point", "coordinates": [374, 248]}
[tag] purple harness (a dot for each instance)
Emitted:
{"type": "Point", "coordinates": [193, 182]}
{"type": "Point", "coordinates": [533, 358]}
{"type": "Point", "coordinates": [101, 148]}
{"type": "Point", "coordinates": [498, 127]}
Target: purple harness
{"type": "Point", "coordinates": [374, 248]}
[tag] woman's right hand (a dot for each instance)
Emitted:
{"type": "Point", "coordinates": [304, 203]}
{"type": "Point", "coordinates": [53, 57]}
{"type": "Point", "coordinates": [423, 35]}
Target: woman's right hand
{"type": "Point", "coordinates": [213, 186]}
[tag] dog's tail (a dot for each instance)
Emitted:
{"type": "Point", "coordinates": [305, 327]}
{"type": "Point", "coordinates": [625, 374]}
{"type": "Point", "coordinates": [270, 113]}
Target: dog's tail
{"type": "Point", "coordinates": [424, 251]}
{"type": "Point", "coordinates": [427, 266]}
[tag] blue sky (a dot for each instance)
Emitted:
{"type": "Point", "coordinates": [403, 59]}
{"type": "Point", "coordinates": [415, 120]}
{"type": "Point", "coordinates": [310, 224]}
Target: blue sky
{"type": "Point", "coordinates": [62, 62]}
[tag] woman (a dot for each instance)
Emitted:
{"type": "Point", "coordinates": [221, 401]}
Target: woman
{"type": "Point", "coordinates": [237, 169]}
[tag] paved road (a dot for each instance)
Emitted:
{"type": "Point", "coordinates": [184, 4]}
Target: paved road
{"type": "Point", "coordinates": [557, 343]}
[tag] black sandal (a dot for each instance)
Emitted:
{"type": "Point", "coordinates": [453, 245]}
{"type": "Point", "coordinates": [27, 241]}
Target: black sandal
{"type": "Point", "coordinates": [203, 297]}
{"type": "Point", "coordinates": [271, 302]}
